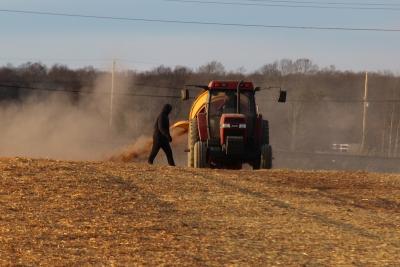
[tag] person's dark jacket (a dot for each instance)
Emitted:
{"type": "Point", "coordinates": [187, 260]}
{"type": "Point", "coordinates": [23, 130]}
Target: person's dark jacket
{"type": "Point", "coordinates": [161, 127]}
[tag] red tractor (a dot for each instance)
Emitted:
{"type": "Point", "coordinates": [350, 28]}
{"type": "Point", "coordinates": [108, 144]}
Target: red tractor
{"type": "Point", "coordinates": [225, 128]}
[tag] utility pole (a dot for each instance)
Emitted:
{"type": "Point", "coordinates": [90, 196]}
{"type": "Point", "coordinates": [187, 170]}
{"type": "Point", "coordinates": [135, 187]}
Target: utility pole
{"type": "Point", "coordinates": [396, 142]}
{"type": "Point", "coordinates": [364, 122]}
{"type": "Point", "coordinates": [112, 94]}
{"type": "Point", "coordinates": [391, 150]}
{"type": "Point", "coordinates": [294, 128]}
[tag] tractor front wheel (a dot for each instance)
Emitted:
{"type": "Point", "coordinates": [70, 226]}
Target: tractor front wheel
{"type": "Point", "coordinates": [256, 163]}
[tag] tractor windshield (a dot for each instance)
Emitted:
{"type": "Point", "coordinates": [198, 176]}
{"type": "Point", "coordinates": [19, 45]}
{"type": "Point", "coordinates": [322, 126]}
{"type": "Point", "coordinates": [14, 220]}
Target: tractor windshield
{"type": "Point", "coordinates": [225, 102]}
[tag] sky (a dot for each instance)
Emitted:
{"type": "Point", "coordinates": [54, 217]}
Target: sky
{"type": "Point", "coordinates": [78, 42]}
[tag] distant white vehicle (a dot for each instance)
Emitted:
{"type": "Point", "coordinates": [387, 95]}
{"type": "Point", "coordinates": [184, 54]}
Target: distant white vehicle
{"type": "Point", "coordinates": [346, 148]}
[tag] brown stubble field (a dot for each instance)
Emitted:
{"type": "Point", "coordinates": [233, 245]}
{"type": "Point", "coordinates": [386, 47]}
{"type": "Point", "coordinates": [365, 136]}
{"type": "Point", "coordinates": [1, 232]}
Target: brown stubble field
{"type": "Point", "coordinates": [56, 213]}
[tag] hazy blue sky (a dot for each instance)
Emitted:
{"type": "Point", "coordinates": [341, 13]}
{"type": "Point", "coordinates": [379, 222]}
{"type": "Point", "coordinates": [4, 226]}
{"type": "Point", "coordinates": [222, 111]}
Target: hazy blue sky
{"type": "Point", "coordinates": [79, 41]}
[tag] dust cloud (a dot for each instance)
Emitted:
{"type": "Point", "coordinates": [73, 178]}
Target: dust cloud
{"type": "Point", "coordinates": [51, 128]}
{"type": "Point", "coordinates": [57, 125]}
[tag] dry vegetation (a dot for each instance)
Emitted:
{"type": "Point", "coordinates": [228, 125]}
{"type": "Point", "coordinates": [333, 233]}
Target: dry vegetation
{"type": "Point", "coordinates": [105, 213]}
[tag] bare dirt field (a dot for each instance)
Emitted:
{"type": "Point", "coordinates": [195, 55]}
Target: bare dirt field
{"type": "Point", "coordinates": [103, 213]}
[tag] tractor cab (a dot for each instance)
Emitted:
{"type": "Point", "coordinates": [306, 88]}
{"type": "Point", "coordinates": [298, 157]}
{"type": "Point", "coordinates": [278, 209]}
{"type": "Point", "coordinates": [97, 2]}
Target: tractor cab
{"type": "Point", "coordinates": [224, 113]}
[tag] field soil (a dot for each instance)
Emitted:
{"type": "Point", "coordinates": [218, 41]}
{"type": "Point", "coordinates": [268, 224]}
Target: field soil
{"type": "Point", "coordinates": [106, 213]}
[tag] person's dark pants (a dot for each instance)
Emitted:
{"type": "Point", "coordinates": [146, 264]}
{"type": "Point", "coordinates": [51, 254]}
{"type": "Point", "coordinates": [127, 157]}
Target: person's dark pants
{"type": "Point", "coordinates": [164, 145]}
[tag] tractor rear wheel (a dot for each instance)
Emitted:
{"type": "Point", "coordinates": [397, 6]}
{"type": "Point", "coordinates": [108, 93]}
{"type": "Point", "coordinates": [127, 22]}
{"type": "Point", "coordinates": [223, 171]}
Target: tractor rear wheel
{"type": "Point", "coordinates": [193, 137]}
{"type": "Point", "coordinates": [265, 132]}
{"type": "Point", "coordinates": [264, 160]}
{"type": "Point", "coordinates": [266, 157]}
{"type": "Point", "coordinates": [200, 155]}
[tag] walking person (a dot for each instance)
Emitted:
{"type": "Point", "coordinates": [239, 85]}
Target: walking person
{"type": "Point", "coordinates": [162, 136]}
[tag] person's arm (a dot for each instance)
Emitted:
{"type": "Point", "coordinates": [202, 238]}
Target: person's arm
{"type": "Point", "coordinates": [163, 127]}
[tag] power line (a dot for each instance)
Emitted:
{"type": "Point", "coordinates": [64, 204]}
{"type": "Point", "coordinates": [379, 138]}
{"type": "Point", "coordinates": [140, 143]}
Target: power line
{"type": "Point", "coordinates": [82, 92]}
{"type": "Point", "coordinates": [176, 97]}
{"type": "Point", "coordinates": [156, 86]}
{"type": "Point", "coordinates": [258, 4]}
{"type": "Point", "coordinates": [339, 101]}
{"type": "Point", "coordinates": [143, 85]}
{"type": "Point", "coordinates": [326, 3]}
{"type": "Point", "coordinates": [346, 101]}
{"type": "Point", "coordinates": [201, 22]}
{"type": "Point", "coordinates": [42, 89]}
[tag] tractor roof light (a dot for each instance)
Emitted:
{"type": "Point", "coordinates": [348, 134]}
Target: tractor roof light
{"type": "Point", "coordinates": [230, 85]}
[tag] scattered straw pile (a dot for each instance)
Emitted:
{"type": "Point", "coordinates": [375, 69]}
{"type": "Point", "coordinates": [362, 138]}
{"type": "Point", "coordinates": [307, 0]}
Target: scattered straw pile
{"type": "Point", "coordinates": [141, 148]}
{"type": "Point", "coordinates": [56, 213]}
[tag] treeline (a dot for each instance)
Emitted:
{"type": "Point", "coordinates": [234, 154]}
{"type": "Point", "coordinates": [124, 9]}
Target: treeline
{"type": "Point", "coordinates": [325, 106]}
{"type": "Point", "coordinates": [62, 77]}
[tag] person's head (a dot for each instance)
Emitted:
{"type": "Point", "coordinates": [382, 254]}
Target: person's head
{"type": "Point", "coordinates": [167, 109]}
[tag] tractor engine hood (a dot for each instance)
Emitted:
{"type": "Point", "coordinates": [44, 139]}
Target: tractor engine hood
{"type": "Point", "coordinates": [233, 125]}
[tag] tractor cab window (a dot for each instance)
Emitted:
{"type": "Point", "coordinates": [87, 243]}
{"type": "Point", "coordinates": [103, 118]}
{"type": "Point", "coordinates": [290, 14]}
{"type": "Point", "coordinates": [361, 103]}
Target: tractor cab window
{"type": "Point", "coordinates": [223, 102]}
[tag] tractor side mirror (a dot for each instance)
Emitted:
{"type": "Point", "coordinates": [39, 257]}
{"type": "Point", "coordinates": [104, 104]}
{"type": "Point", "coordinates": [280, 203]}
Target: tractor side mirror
{"type": "Point", "coordinates": [184, 94]}
{"type": "Point", "coordinates": [282, 96]}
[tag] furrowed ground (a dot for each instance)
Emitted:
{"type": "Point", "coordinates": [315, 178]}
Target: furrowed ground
{"type": "Point", "coordinates": [103, 213]}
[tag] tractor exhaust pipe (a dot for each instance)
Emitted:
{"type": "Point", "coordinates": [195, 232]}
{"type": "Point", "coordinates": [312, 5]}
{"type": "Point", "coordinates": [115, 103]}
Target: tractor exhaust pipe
{"type": "Point", "coordinates": [238, 97]}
